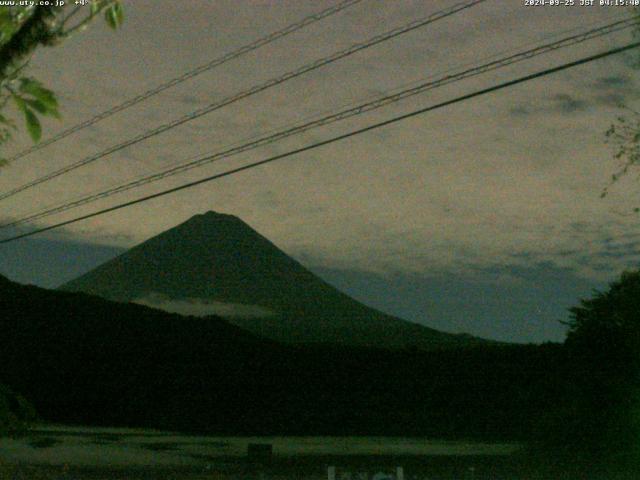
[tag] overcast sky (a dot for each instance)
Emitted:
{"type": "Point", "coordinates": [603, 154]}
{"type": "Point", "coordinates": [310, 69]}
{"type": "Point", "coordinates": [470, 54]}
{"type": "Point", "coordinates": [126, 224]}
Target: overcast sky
{"type": "Point", "coordinates": [482, 217]}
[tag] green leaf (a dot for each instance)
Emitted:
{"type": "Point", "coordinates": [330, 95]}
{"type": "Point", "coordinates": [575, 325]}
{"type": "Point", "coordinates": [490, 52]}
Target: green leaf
{"type": "Point", "coordinates": [36, 89]}
{"type": "Point", "coordinates": [114, 15]}
{"type": "Point", "coordinates": [119, 9]}
{"type": "Point", "coordinates": [33, 125]}
{"type": "Point", "coordinates": [53, 112]}
{"type": "Point", "coordinates": [20, 103]}
{"type": "Point", "coordinates": [38, 106]}
{"type": "Point", "coordinates": [8, 25]}
{"type": "Point", "coordinates": [96, 5]}
{"type": "Point", "coordinates": [27, 83]}
{"type": "Point", "coordinates": [48, 99]}
{"type": "Point", "coordinates": [43, 108]}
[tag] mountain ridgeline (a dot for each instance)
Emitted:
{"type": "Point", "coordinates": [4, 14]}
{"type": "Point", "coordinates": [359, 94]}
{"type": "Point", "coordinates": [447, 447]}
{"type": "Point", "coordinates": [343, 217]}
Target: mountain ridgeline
{"type": "Point", "coordinates": [293, 355]}
{"type": "Point", "coordinates": [81, 359]}
{"type": "Point", "coordinates": [216, 263]}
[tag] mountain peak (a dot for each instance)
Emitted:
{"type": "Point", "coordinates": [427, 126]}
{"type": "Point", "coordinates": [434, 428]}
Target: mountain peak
{"type": "Point", "coordinates": [215, 258]}
{"type": "Point", "coordinates": [208, 233]}
{"type": "Point", "coordinates": [204, 227]}
{"type": "Point", "coordinates": [211, 216]}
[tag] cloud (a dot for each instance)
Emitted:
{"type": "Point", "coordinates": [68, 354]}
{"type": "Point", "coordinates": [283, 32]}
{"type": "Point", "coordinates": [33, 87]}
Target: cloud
{"type": "Point", "coordinates": [65, 259]}
{"type": "Point", "coordinates": [611, 91]}
{"type": "Point", "coordinates": [566, 103]}
{"type": "Point", "coordinates": [190, 100]}
{"type": "Point", "coordinates": [613, 81]}
{"type": "Point", "coordinates": [520, 111]}
{"type": "Point", "coordinates": [202, 308]}
{"type": "Point", "coordinates": [509, 303]}
{"type": "Point", "coordinates": [496, 181]}
{"type": "Point", "coordinates": [612, 99]}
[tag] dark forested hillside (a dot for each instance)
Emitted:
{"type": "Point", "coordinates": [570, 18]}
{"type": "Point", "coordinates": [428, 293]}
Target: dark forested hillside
{"type": "Point", "coordinates": [16, 413]}
{"type": "Point", "coordinates": [82, 359]}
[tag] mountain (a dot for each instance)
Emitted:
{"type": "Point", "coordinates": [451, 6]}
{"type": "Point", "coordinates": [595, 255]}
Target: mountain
{"type": "Point", "coordinates": [81, 359]}
{"type": "Point", "coordinates": [216, 263]}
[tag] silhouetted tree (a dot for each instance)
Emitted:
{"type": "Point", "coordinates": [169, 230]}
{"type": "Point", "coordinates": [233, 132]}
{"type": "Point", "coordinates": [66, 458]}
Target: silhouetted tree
{"type": "Point", "coordinates": [15, 412]}
{"type": "Point", "coordinates": [603, 348]}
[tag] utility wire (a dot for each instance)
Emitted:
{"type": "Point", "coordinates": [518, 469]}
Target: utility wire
{"type": "Point", "coordinates": [344, 136]}
{"type": "Point", "coordinates": [246, 93]}
{"type": "Point", "coordinates": [334, 117]}
{"type": "Point", "coordinates": [294, 27]}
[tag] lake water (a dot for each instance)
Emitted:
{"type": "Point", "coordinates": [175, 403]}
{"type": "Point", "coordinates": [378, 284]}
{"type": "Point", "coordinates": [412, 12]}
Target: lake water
{"type": "Point", "coordinates": [74, 452]}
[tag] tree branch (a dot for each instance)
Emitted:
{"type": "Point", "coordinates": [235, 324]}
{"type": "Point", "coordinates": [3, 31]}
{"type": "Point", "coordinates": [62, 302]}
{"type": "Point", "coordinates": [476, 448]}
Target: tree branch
{"type": "Point", "coordinates": [35, 31]}
{"type": "Point", "coordinates": [84, 23]}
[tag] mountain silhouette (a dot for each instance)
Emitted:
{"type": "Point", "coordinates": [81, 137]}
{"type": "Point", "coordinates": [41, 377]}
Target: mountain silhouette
{"type": "Point", "coordinates": [216, 264]}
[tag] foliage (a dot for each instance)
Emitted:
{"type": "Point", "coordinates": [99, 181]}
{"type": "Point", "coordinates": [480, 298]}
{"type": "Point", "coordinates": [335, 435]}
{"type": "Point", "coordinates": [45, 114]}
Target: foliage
{"type": "Point", "coordinates": [22, 30]}
{"type": "Point", "coordinates": [603, 343]}
{"type": "Point", "coordinates": [614, 312]}
{"type": "Point", "coordinates": [15, 412]}
{"type": "Point", "coordinates": [84, 360]}
{"type": "Point", "coordinates": [624, 133]}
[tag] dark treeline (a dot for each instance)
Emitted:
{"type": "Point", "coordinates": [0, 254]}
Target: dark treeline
{"type": "Point", "coordinates": [80, 359]}
{"type": "Point", "coordinates": [16, 413]}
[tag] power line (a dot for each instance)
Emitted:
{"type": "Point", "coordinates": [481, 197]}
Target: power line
{"type": "Point", "coordinates": [377, 103]}
{"type": "Point", "coordinates": [246, 93]}
{"type": "Point", "coordinates": [294, 27]}
{"type": "Point", "coordinates": [344, 136]}
{"type": "Point", "coordinates": [335, 117]}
